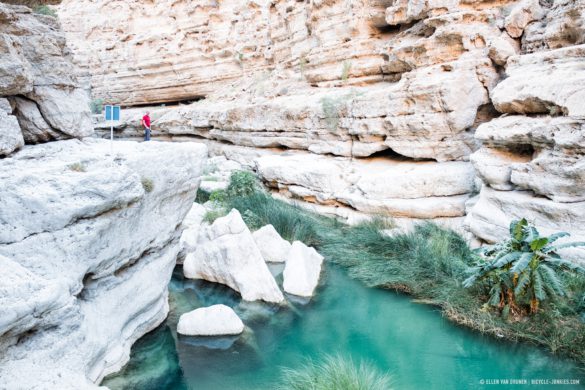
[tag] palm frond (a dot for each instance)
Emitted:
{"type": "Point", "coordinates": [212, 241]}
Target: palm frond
{"type": "Point", "coordinates": [522, 262]}
{"type": "Point", "coordinates": [551, 279]}
{"type": "Point", "coordinates": [523, 281]}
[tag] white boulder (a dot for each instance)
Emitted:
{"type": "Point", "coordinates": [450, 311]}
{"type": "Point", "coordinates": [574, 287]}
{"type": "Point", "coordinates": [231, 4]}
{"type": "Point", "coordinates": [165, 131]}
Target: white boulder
{"type": "Point", "coordinates": [226, 253]}
{"type": "Point", "coordinates": [216, 320]}
{"type": "Point", "coordinates": [302, 270]}
{"type": "Point", "coordinates": [274, 248]}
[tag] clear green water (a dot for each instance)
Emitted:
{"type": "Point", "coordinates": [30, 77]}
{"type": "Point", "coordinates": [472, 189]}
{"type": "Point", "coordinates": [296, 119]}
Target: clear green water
{"type": "Point", "coordinates": [419, 348]}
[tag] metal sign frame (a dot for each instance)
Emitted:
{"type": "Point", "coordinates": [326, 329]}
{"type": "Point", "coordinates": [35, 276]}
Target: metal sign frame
{"type": "Point", "coordinates": [112, 113]}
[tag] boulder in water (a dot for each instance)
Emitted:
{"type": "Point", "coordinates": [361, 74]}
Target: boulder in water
{"type": "Point", "coordinates": [302, 271]}
{"type": "Point", "coordinates": [226, 253]}
{"type": "Point", "coordinates": [216, 320]}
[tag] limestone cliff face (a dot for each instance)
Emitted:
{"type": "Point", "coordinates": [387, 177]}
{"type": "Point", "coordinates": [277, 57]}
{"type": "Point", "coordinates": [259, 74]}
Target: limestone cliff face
{"type": "Point", "coordinates": [87, 247]}
{"type": "Point", "coordinates": [346, 82]}
{"type": "Point", "coordinates": [89, 231]}
{"type": "Point", "coordinates": [40, 96]}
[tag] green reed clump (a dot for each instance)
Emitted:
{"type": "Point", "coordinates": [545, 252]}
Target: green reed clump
{"type": "Point", "coordinates": [334, 373]}
{"type": "Point", "coordinates": [291, 222]}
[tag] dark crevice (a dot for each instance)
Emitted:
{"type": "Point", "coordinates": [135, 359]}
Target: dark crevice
{"type": "Point", "coordinates": [485, 113]}
{"type": "Point", "coordinates": [393, 155]}
{"type": "Point", "coordinates": [184, 101]}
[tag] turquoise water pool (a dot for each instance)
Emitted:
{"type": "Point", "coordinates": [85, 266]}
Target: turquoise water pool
{"type": "Point", "coordinates": [419, 348]}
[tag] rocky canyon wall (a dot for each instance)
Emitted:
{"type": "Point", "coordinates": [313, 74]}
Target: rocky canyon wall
{"type": "Point", "coordinates": [89, 231]}
{"type": "Point", "coordinates": [376, 106]}
{"type": "Point", "coordinates": [40, 97]}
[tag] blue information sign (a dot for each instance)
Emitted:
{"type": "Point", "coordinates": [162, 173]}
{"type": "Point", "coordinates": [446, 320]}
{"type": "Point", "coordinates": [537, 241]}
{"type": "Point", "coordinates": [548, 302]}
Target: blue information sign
{"type": "Point", "coordinates": [113, 113]}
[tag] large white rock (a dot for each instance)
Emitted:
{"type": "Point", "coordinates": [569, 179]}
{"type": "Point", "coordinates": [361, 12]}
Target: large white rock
{"type": "Point", "coordinates": [302, 270]}
{"type": "Point", "coordinates": [387, 186]}
{"type": "Point", "coordinates": [273, 247]}
{"type": "Point", "coordinates": [226, 253]}
{"type": "Point", "coordinates": [216, 320]}
{"type": "Point", "coordinates": [560, 92]}
{"type": "Point", "coordinates": [37, 73]}
{"type": "Point", "coordinates": [88, 243]}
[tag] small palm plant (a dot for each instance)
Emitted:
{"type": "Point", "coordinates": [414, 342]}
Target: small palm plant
{"type": "Point", "coordinates": [522, 267]}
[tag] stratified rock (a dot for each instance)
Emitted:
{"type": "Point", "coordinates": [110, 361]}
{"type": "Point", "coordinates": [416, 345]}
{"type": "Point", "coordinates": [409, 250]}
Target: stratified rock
{"type": "Point", "coordinates": [226, 253]}
{"type": "Point", "coordinates": [36, 70]}
{"type": "Point", "coordinates": [384, 186]}
{"type": "Point", "coordinates": [273, 247]}
{"type": "Point", "coordinates": [521, 15]}
{"type": "Point", "coordinates": [216, 320]}
{"type": "Point", "coordinates": [88, 242]}
{"type": "Point", "coordinates": [545, 155]}
{"type": "Point", "coordinates": [494, 166]}
{"type": "Point", "coordinates": [10, 134]}
{"type": "Point", "coordinates": [560, 92]}
{"type": "Point", "coordinates": [302, 270]}
{"type": "Point", "coordinates": [563, 26]}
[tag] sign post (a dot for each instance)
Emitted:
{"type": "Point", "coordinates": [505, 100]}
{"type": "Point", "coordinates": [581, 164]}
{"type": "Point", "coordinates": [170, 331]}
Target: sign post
{"type": "Point", "coordinates": [112, 115]}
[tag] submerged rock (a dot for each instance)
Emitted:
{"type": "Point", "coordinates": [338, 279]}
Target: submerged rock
{"type": "Point", "coordinates": [302, 270]}
{"type": "Point", "coordinates": [87, 244]}
{"type": "Point", "coordinates": [216, 320]}
{"type": "Point", "coordinates": [274, 248]}
{"type": "Point", "coordinates": [226, 253]}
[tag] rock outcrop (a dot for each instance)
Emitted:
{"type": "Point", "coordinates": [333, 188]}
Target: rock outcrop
{"type": "Point", "coordinates": [40, 82]}
{"type": "Point", "coordinates": [226, 253]}
{"type": "Point", "coordinates": [274, 248]}
{"type": "Point", "coordinates": [216, 320]}
{"type": "Point", "coordinates": [86, 235]}
{"type": "Point", "coordinates": [302, 270]}
{"type": "Point", "coordinates": [410, 89]}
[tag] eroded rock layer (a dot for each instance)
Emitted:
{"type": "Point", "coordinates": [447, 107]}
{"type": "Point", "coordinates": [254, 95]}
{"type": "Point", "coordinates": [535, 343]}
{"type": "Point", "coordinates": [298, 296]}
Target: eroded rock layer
{"type": "Point", "coordinates": [88, 242]}
{"type": "Point", "coordinates": [40, 96]}
{"type": "Point", "coordinates": [386, 99]}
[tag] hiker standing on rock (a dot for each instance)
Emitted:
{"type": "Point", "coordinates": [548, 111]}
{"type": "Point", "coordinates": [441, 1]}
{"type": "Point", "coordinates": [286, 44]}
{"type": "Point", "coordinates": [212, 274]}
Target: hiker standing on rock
{"type": "Point", "coordinates": [146, 123]}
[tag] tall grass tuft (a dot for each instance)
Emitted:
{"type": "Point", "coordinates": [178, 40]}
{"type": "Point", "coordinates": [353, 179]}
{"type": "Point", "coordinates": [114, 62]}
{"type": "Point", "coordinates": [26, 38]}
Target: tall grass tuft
{"type": "Point", "coordinates": [334, 373]}
{"type": "Point", "coordinates": [292, 223]}
{"type": "Point", "coordinates": [415, 261]}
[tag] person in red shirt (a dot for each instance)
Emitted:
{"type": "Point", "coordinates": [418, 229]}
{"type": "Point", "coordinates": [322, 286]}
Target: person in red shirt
{"type": "Point", "coordinates": [146, 123]}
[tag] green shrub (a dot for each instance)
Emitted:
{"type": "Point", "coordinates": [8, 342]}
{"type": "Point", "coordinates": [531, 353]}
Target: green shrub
{"type": "Point", "coordinates": [212, 215]}
{"type": "Point", "coordinates": [523, 269]}
{"type": "Point", "coordinates": [218, 196]}
{"type": "Point", "coordinates": [45, 10]}
{"type": "Point", "coordinates": [334, 373]}
{"type": "Point", "coordinates": [147, 184]}
{"type": "Point", "coordinates": [242, 183]}
{"type": "Point", "coordinates": [202, 196]}
{"type": "Point", "coordinates": [96, 106]}
{"type": "Point", "coordinates": [253, 221]}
